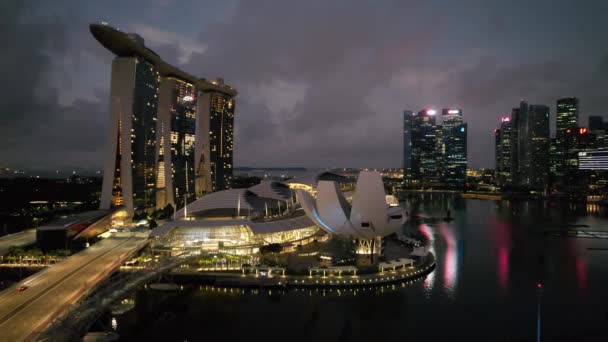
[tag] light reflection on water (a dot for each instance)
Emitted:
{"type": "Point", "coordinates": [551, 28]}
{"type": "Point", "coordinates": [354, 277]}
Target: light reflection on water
{"type": "Point", "coordinates": [450, 273]}
{"type": "Point", "coordinates": [493, 285]}
{"type": "Point", "coordinates": [429, 281]}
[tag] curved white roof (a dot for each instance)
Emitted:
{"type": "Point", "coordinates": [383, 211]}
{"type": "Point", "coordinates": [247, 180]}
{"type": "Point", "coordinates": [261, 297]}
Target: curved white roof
{"type": "Point", "coordinates": [257, 197]}
{"type": "Point", "coordinates": [368, 217]}
{"type": "Point", "coordinates": [226, 199]}
{"type": "Point", "coordinates": [273, 190]}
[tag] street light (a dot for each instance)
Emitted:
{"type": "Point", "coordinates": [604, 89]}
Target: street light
{"type": "Point", "coordinates": [539, 289]}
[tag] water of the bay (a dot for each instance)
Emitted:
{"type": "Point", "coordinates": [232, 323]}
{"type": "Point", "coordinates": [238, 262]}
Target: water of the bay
{"type": "Point", "coordinates": [490, 259]}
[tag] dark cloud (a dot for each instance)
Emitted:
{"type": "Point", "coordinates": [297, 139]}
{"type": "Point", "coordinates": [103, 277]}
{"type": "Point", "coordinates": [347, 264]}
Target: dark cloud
{"type": "Point", "coordinates": [39, 131]}
{"type": "Point", "coordinates": [321, 83]}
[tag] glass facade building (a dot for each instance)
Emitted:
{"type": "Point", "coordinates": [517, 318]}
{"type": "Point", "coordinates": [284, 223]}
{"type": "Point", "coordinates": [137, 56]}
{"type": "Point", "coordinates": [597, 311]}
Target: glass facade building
{"type": "Point", "coordinates": [502, 137]}
{"type": "Point", "coordinates": [530, 146]}
{"type": "Point", "coordinates": [424, 146]}
{"type": "Point", "coordinates": [566, 117]}
{"type": "Point", "coordinates": [408, 117]}
{"type": "Point", "coordinates": [453, 148]}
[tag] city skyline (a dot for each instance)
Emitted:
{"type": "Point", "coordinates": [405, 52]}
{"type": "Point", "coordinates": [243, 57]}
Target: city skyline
{"type": "Point", "coordinates": [298, 108]}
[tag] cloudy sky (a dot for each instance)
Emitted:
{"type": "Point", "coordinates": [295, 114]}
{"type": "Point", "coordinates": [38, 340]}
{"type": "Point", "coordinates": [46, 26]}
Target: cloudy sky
{"type": "Point", "coordinates": [321, 83]}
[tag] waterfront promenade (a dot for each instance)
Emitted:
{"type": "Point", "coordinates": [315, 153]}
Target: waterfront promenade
{"type": "Point", "coordinates": [252, 280]}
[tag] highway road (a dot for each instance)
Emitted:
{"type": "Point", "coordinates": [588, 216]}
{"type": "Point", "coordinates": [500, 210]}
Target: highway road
{"type": "Point", "coordinates": [25, 314]}
{"type": "Point", "coordinates": [24, 238]}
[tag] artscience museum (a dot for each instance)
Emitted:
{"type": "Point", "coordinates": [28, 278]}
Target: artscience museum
{"type": "Point", "coordinates": [368, 219]}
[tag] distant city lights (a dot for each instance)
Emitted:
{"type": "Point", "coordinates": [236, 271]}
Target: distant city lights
{"type": "Point", "coordinates": [453, 111]}
{"type": "Point", "coordinates": [431, 112]}
{"type": "Point", "coordinates": [505, 119]}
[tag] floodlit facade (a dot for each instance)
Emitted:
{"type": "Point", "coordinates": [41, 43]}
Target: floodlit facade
{"type": "Point", "coordinates": [170, 137]}
{"type": "Point", "coordinates": [238, 221]}
{"type": "Point", "coordinates": [369, 217]}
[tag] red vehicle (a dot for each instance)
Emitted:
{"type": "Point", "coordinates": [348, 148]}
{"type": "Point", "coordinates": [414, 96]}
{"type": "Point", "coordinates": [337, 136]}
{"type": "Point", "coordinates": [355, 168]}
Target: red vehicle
{"type": "Point", "coordinates": [22, 288]}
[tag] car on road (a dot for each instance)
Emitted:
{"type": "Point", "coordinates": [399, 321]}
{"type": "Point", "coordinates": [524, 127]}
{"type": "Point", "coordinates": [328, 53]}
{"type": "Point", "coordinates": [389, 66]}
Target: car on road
{"type": "Point", "coordinates": [22, 288]}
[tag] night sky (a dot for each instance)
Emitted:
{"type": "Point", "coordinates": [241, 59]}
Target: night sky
{"type": "Point", "coordinates": [321, 83]}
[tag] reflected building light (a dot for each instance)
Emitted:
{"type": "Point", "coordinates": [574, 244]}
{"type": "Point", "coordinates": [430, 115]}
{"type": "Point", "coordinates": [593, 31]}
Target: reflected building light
{"type": "Point", "coordinates": [503, 267]}
{"type": "Point", "coordinates": [429, 281]}
{"type": "Point", "coordinates": [450, 275]}
{"type": "Point", "coordinates": [581, 273]}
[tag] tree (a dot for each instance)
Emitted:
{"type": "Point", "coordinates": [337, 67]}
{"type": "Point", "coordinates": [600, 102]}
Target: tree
{"type": "Point", "coordinates": [15, 251]}
{"type": "Point", "coordinates": [271, 248]}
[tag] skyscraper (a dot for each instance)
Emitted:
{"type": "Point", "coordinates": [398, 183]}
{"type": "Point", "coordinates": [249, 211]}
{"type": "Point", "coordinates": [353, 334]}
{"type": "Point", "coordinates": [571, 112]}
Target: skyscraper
{"type": "Point", "coordinates": [177, 136]}
{"type": "Point", "coordinates": [217, 108]}
{"type": "Point", "coordinates": [408, 117]}
{"type": "Point", "coordinates": [497, 151]}
{"type": "Point", "coordinates": [515, 152]}
{"type": "Point", "coordinates": [157, 153]}
{"type": "Point", "coordinates": [530, 162]}
{"type": "Point", "coordinates": [502, 138]}
{"type": "Point", "coordinates": [453, 150]}
{"type": "Point", "coordinates": [424, 145]}
{"type": "Point", "coordinates": [567, 112]}
{"type": "Point", "coordinates": [566, 115]}
{"type": "Point", "coordinates": [575, 140]}
{"type": "Point", "coordinates": [537, 147]}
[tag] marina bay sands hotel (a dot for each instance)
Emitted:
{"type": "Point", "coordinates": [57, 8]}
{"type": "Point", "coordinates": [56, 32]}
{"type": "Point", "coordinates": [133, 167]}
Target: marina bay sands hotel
{"type": "Point", "coordinates": [170, 137]}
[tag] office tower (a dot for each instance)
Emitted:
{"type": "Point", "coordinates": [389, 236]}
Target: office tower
{"type": "Point", "coordinates": [217, 108]}
{"type": "Point", "coordinates": [453, 148]}
{"type": "Point", "coordinates": [502, 141]}
{"type": "Point", "coordinates": [531, 158]}
{"type": "Point", "coordinates": [156, 115]}
{"type": "Point", "coordinates": [424, 146]}
{"type": "Point", "coordinates": [575, 140]}
{"type": "Point", "coordinates": [515, 152]}
{"type": "Point", "coordinates": [537, 147]}
{"type": "Point", "coordinates": [497, 151]}
{"type": "Point", "coordinates": [566, 115]}
{"type": "Point", "coordinates": [439, 151]}
{"type": "Point", "coordinates": [567, 112]}
{"type": "Point", "coordinates": [408, 117]}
